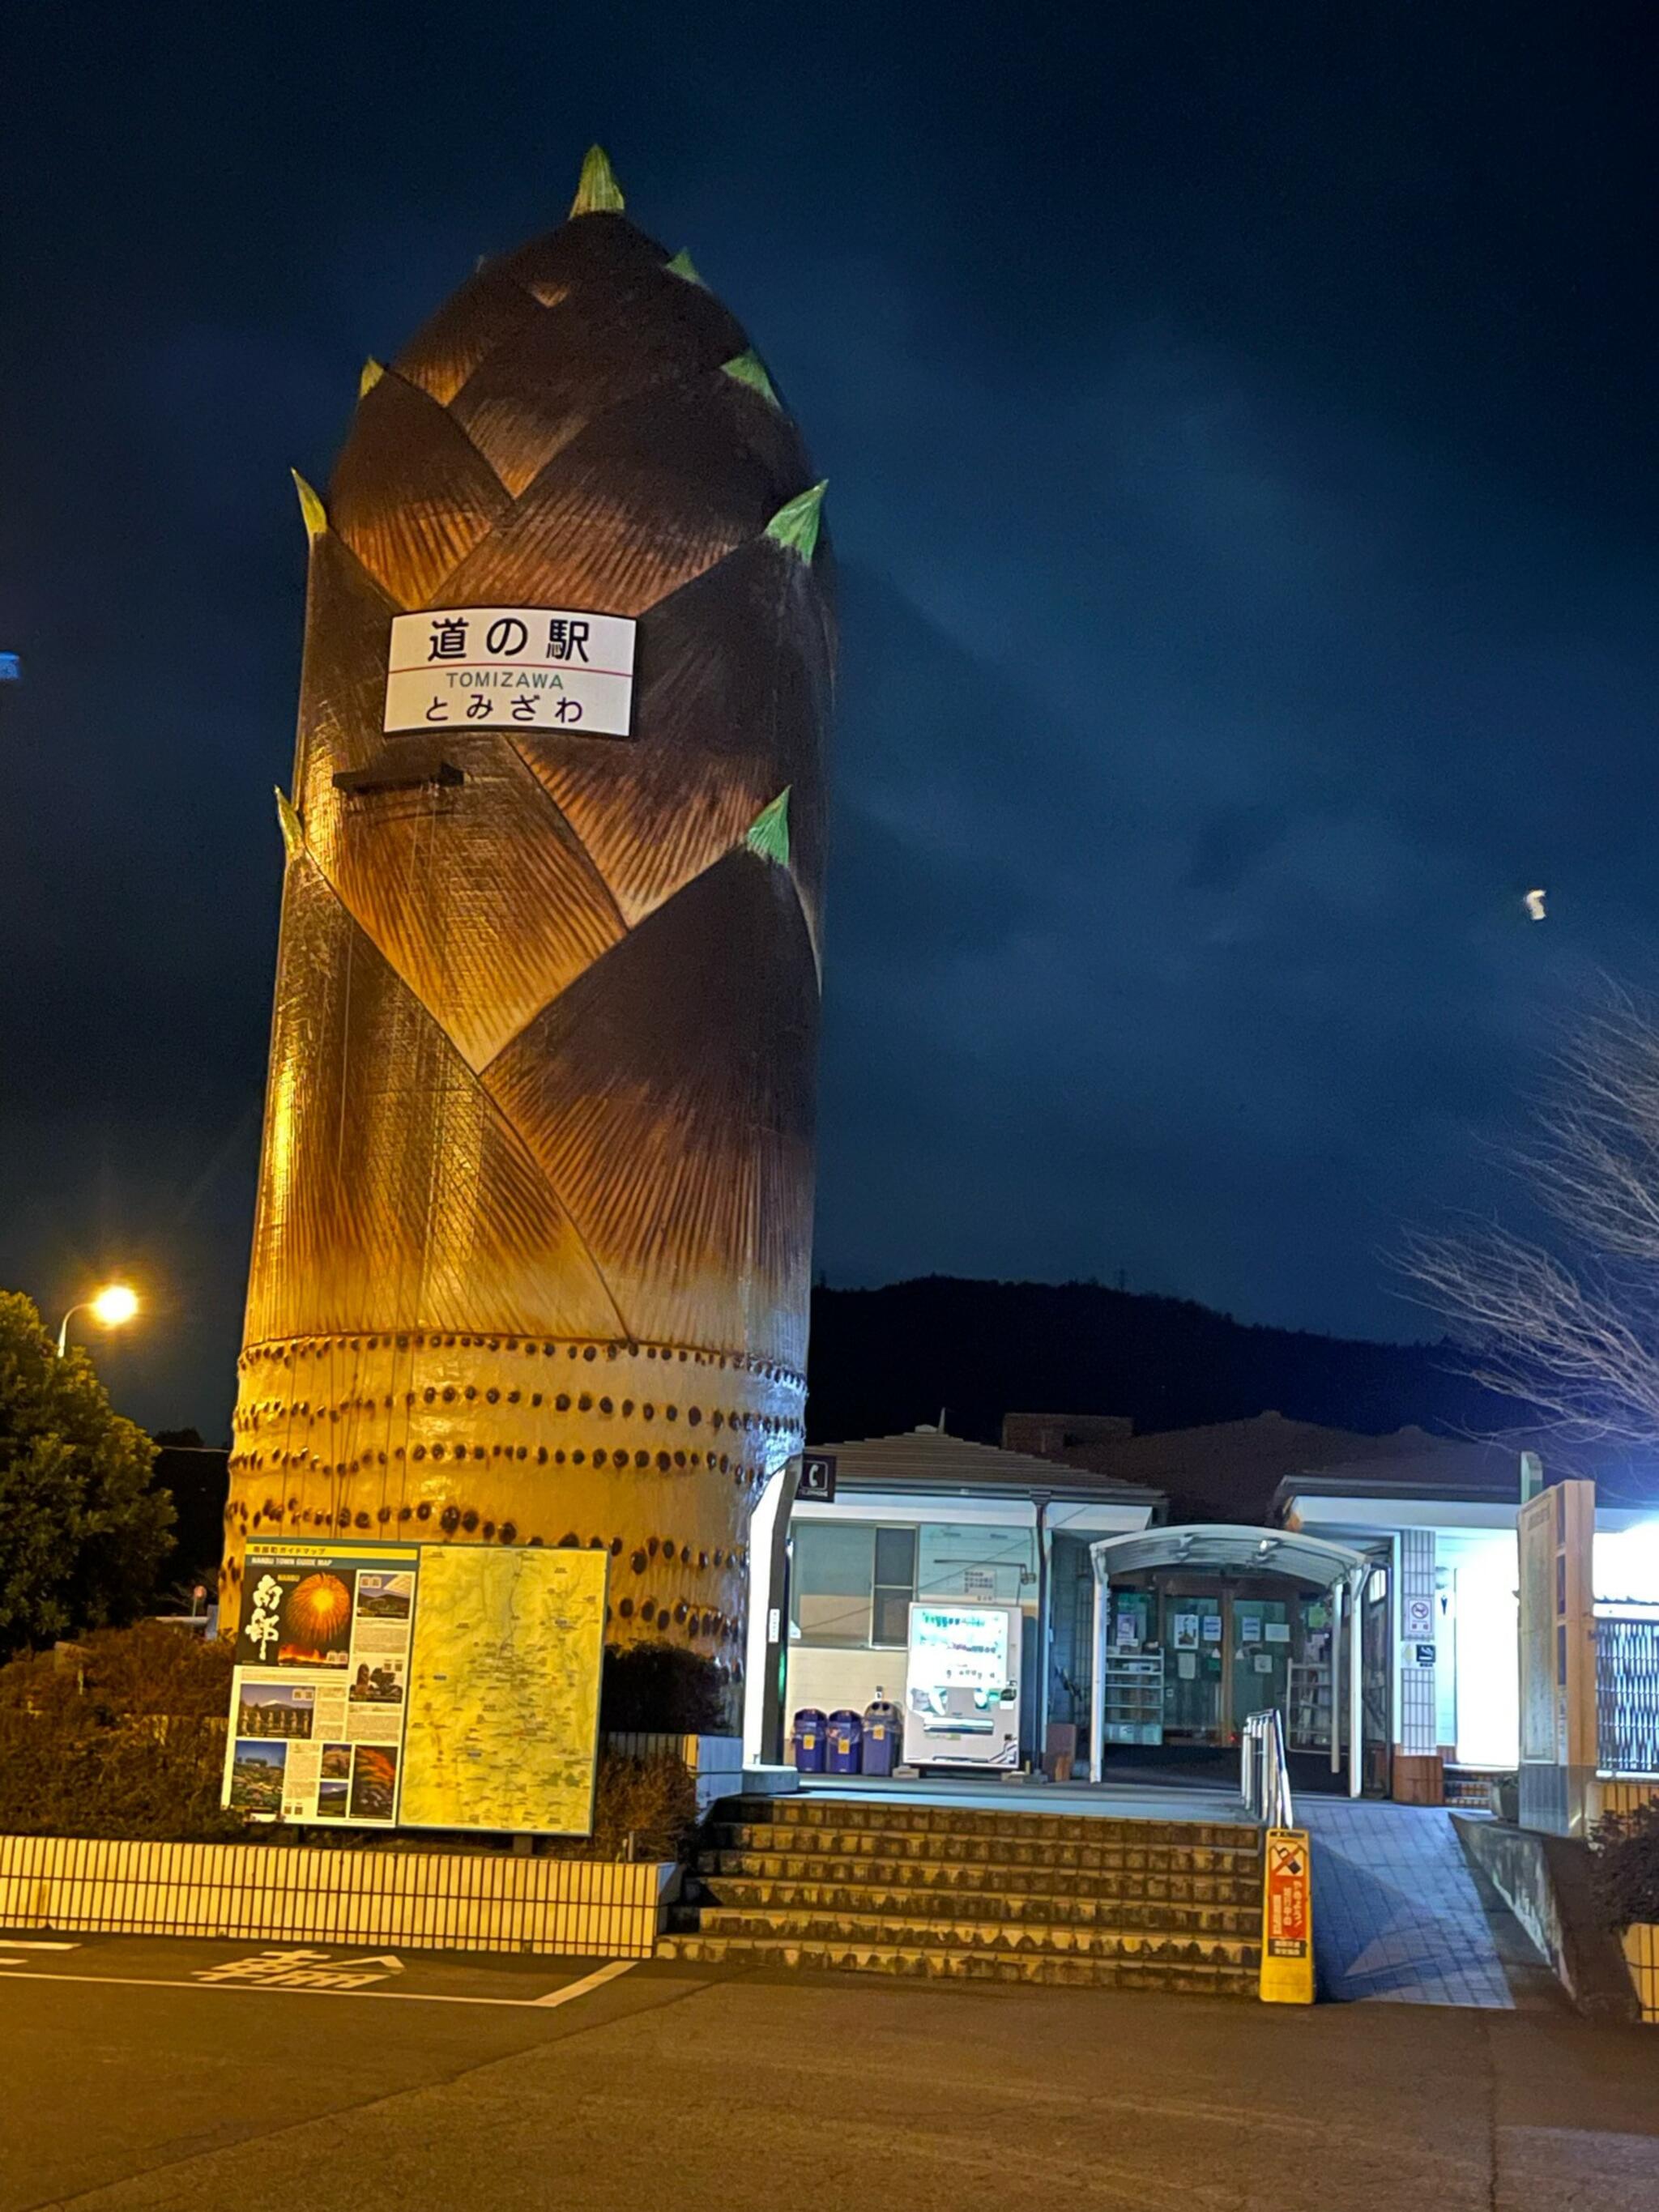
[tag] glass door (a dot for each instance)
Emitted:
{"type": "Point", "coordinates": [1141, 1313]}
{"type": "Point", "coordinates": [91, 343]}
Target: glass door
{"type": "Point", "coordinates": [1193, 1629]}
{"type": "Point", "coordinates": [1260, 1645]}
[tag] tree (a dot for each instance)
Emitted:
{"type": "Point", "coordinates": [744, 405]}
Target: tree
{"type": "Point", "coordinates": [1572, 1328]}
{"type": "Point", "coordinates": [82, 1535]}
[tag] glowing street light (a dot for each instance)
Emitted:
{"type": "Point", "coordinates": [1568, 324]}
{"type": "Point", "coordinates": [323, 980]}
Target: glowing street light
{"type": "Point", "coordinates": [112, 1307]}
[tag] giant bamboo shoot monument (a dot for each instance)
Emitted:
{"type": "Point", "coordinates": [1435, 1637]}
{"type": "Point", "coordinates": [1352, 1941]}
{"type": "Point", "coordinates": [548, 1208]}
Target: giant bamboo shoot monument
{"type": "Point", "coordinates": [532, 1249]}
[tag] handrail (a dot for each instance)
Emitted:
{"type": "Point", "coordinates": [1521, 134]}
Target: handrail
{"type": "Point", "coordinates": [1265, 1780]}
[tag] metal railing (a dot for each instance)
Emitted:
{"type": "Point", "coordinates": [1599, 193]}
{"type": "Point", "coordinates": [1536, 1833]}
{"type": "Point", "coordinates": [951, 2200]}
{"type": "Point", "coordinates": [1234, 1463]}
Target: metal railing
{"type": "Point", "coordinates": [1627, 1689]}
{"type": "Point", "coordinates": [1265, 1780]}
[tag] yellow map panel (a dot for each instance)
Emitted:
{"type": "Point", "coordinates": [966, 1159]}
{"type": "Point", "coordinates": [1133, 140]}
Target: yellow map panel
{"type": "Point", "coordinates": [504, 1690]}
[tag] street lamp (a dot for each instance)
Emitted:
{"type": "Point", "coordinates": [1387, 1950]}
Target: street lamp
{"type": "Point", "coordinates": [116, 1304]}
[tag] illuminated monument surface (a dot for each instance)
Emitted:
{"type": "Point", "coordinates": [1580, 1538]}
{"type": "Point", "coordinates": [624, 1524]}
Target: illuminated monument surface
{"type": "Point", "coordinates": [532, 1251]}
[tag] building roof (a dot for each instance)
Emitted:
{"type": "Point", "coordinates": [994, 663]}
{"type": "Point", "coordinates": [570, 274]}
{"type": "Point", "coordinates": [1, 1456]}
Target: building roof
{"type": "Point", "coordinates": [932, 1459]}
{"type": "Point", "coordinates": [1246, 1469]}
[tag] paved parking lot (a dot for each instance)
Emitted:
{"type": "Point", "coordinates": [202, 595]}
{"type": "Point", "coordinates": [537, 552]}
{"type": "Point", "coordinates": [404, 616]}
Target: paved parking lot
{"type": "Point", "coordinates": [145, 2073]}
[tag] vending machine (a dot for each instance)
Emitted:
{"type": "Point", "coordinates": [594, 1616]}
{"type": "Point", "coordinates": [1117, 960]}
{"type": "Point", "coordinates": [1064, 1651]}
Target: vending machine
{"type": "Point", "coordinates": [962, 1686]}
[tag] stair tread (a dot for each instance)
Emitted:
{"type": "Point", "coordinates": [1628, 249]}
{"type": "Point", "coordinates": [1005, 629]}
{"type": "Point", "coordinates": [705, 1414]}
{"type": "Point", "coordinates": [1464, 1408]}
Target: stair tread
{"type": "Point", "coordinates": [969, 1850]}
{"type": "Point", "coordinates": [1049, 1908]}
{"type": "Point", "coordinates": [830, 1870]}
{"type": "Point", "coordinates": [906, 1932]}
{"type": "Point", "coordinates": [1027, 1827]}
{"type": "Point", "coordinates": [853, 1813]}
{"type": "Point", "coordinates": [1034, 1967]}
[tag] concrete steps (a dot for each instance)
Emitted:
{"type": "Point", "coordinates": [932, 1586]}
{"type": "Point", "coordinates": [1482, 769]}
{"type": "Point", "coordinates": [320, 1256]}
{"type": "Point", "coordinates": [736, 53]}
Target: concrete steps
{"type": "Point", "coordinates": [1167, 1883]}
{"type": "Point", "coordinates": [1035, 1908]}
{"type": "Point", "coordinates": [942, 1891]}
{"type": "Point", "coordinates": [1196, 1976]}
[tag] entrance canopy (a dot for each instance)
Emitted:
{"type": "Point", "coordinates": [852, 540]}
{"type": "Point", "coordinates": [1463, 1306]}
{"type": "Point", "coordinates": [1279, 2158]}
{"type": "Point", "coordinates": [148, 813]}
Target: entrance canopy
{"type": "Point", "coordinates": [1223, 1547]}
{"type": "Point", "coordinates": [1217, 1544]}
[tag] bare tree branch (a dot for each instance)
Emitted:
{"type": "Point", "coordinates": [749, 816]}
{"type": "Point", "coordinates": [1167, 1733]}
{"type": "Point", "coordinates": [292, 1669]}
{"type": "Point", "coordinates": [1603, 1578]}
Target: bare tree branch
{"type": "Point", "coordinates": [1573, 1331]}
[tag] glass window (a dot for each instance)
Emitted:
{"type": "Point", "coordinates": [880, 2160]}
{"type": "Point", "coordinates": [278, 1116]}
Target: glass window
{"type": "Point", "coordinates": [995, 1565]}
{"type": "Point", "coordinates": [832, 1576]}
{"type": "Point", "coordinates": [896, 1585]}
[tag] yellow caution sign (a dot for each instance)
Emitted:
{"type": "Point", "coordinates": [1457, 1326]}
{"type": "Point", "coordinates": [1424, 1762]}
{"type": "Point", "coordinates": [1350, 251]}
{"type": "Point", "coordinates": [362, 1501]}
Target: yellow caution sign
{"type": "Point", "coordinates": [1287, 1960]}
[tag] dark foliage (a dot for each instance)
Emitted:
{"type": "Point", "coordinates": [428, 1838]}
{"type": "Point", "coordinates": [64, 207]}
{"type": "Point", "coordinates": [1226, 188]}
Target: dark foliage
{"type": "Point", "coordinates": [1625, 1863]}
{"type": "Point", "coordinates": [84, 1533]}
{"type": "Point", "coordinates": [123, 1734]}
{"type": "Point", "coordinates": [657, 1687]}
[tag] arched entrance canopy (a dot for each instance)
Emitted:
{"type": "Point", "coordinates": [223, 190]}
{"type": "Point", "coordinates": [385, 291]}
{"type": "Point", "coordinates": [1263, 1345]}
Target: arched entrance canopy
{"type": "Point", "coordinates": [1223, 1545]}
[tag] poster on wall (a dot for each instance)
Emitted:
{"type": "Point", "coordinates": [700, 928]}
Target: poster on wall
{"type": "Point", "coordinates": [1185, 1632]}
{"type": "Point", "coordinates": [962, 1686]}
{"type": "Point", "coordinates": [317, 1692]}
{"type": "Point", "coordinates": [434, 1686]}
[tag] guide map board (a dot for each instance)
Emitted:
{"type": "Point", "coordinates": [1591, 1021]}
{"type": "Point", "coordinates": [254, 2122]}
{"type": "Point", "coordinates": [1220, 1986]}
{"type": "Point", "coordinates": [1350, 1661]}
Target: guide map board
{"type": "Point", "coordinates": [504, 1690]}
{"type": "Point", "coordinates": [391, 1685]}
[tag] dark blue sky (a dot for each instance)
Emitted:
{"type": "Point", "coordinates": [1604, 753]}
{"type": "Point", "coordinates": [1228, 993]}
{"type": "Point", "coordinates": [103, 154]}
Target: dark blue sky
{"type": "Point", "coordinates": [1240, 429]}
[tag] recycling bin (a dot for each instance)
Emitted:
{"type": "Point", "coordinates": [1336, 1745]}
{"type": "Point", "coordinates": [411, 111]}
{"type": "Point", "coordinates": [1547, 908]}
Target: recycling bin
{"type": "Point", "coordinates": [882, 1722]}
{"type": "Point", "coordinates": [846, 1742]}
{"type": "Point", "coordinates": [808, 1736]}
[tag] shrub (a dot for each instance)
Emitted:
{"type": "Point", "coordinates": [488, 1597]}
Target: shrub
{"type": "Point", "coordinates": [121, 1735]}
{"type": "Point", "coordinates": [1625, 1865]}
{"type": "Point", "coordinates": [643, 1809]}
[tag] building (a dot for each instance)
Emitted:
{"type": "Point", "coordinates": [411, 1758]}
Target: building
{"type": "Point", "coordinates": [927, 1514]}
{"type": "Point", "coordinates": [1368, 1590]}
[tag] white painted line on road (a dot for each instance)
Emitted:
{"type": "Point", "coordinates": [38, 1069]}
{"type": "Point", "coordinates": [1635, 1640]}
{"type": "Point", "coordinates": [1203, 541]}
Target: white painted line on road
{"type": "Point", "coordinates": [275, 1990]}
{"type": "Point", "coordinates": [16, 1943]}
{"type": "Point", "coordinates": [593, 1981]}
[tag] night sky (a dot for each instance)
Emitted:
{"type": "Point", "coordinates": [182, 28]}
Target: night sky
{"type": "Point", "coordinates": [1240, 428]}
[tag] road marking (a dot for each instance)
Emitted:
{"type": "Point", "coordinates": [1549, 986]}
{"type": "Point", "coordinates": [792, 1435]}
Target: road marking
{"type": "Point", "coordinates": [588, 1982]}
{"type": "Point", "coordinates": [16, 1943]}
{"type": "Point", "coordinates": [301, 1970]}
{"type": "Point", "coordinates": [275, 1990]}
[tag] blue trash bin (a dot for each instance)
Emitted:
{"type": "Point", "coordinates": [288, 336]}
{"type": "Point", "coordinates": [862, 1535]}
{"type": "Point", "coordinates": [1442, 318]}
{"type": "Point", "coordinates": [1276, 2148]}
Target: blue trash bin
{"type": "Point", "coordinates": [846, 1742]}
{"type": "Point", "coordinates": [881, 1724]}
{"type": "Point", "coordinates": [807, 1734]}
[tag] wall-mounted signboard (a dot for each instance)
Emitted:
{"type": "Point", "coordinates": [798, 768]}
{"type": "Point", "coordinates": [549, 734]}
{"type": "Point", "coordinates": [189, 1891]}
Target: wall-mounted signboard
{"type": "Point", "coordinates": [962, 1686]}
{"type": "Point", "coordinates": [433, 1685]}
{"type": "Point", "coordinates": [513, 668]}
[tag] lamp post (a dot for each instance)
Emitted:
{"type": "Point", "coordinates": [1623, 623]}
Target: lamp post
{"type": "Point", "coordinates": [112, 1306]}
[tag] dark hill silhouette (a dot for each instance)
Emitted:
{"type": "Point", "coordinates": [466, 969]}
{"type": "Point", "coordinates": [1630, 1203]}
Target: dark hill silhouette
{"type": "Point", "coordinates": [886, 1359]}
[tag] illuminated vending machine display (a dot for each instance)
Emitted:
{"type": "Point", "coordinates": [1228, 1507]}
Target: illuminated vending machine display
{"type": "Point", "coordinates": [962, 1686]}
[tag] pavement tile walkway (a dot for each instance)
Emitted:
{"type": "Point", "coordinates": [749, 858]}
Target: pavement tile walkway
{"type": "Point", "coordinates": [1397, 1916]}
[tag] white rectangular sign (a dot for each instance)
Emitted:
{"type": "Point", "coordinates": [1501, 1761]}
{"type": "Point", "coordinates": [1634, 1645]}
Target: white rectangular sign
{"type": "Point", "coordinates": [514, 668]}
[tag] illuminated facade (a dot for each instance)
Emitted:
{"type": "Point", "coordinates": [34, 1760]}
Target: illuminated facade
{"type": "Point", "coordinates": [530, 1258]}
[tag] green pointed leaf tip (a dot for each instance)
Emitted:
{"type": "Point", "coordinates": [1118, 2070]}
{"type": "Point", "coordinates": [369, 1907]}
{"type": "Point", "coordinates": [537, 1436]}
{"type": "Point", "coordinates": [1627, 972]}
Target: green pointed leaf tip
{"type": "Point", "coordinates": [768, 833]}
{"type": "Point", "coordinates": [683, 265]}
{"type": "Point", "coordinates": [796, 525]}
{"type": "Point", "coordinates": [311, 507]}
{"type": "Point", "coordinates": [293, 835]}
{"type": "Point", "coordinates": [748, 368]}
{"type": "Point", "coordinates": [597, 191]}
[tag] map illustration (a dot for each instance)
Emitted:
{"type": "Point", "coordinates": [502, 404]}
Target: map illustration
{"type": "Point", "coordinates": [503, 1699]}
